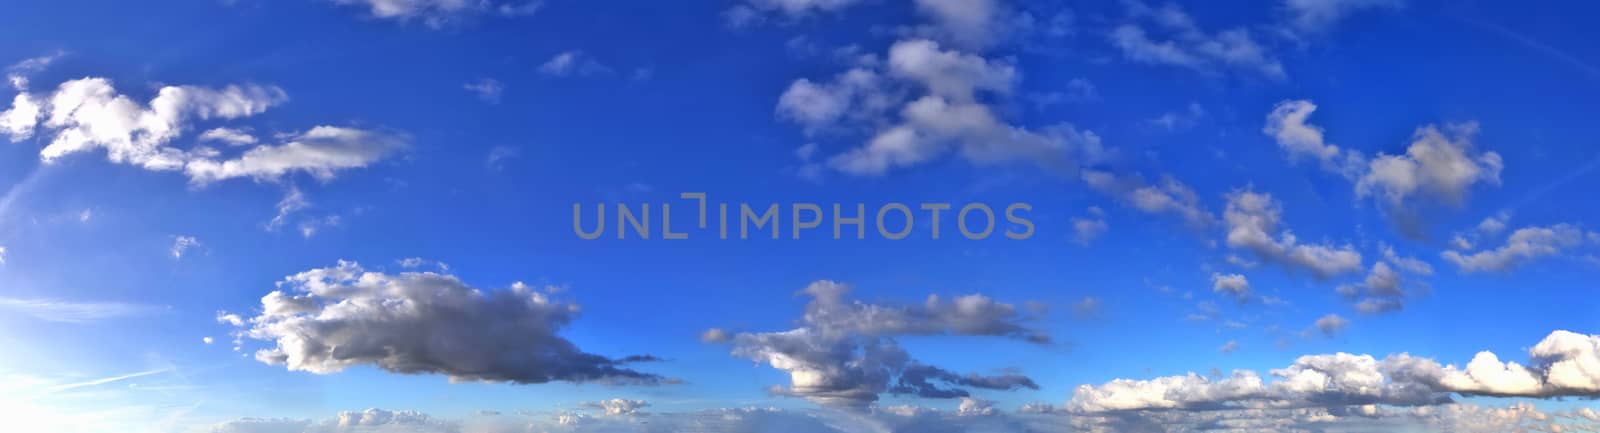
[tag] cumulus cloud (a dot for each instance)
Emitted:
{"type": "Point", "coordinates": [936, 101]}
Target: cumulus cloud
{"type": "Point", "coordinates": [1232, 285]}
{"type": "Point", "coordinates": [1091, 227]}
{"type": "Point", "coordinates": [326, 320]}
{"type": "Point", "coordinates": [1440, 165]}
{"type": "Point", "coordinates": [1396, 393]}
{"type": "Point", "coordinates": [924, 101]}
{"type": "Point", "coordinates": [1179, 41]}
{"type": "Point", "coordinates": [1379, 292]}
{"type": "Point", "coordinates": [1523, 245]}
{"type": "Point", "coordinates": [1300, 140]}
{"type": "Point", "coordinates": [1251, 220]}
{"type": "Point", "coordinates": [1330, 325]}
{"type": "Point", "coordinates": [844, 353]}
{"type": "Point", "coordinates": [88, 114]}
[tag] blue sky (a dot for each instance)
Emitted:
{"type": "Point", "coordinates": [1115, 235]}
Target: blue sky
{"type": "Point", "coordinates": [1292, 190]}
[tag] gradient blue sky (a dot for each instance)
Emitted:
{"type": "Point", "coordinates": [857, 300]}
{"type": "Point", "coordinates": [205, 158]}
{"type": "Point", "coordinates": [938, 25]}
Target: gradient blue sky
{"type": "Point", "coordinates": [667, 97]}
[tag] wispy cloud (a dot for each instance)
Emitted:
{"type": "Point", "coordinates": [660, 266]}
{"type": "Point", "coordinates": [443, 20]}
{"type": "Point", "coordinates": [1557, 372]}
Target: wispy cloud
{"type": "Point", "coordinates": [51, 310]}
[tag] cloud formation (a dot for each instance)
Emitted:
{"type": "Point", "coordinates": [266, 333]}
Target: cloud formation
{"type": "Point", "coordinates": [1564, 364]}
{"type": "Point", "coordinates": [326, 320]}
{"type": "Point", "coordinates": [844, 353]}
{"type": "Point", "coordinates": [1522, 246]}
{"type": "Point", "coordinates": [438, 13]}
{"type": "Point", "coordinates": [1441, 165]}
{"type": "Point", "coordinates": [89, 114]}
{"type": "Point", "coordinates": [1252, 219]}
{"type": "Point", "coordinates": [1166, 35]}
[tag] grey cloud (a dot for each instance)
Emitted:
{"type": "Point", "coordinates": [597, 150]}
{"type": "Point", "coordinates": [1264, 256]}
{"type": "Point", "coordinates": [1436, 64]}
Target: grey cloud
{"type": "Point", "coordinates": [326, 320]}
{"type": "Point", "coordinates": [844, 354]}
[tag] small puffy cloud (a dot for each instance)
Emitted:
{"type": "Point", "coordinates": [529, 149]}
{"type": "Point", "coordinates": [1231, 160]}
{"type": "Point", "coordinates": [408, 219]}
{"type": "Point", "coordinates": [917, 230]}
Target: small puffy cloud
{"type": "Point", "coordinates": [714, 335]}
{"type": "Point", "coordinates": [229, 136]}
{"type": "Point", "coordinates": [1440, 164]}
{"type": "Point", "coordinates": [923, 101]}
{"type": "Point", "coordinates": [844, 353]}
{"type": "Point", "coordinates": [182, 245]}
{"type": "Point", "coordinates": [1232, 285]}
{"type": "Point", "coordinates": [329, 319]}
{"type": "Point", "coordinates": [1251, 220]}
{"type": "Point", "coordinates": [1300, 140]}
{"type": "Point", "coordinates": [1178, 41]}
{"type": "Point", "coordinates": [572, 63]}
{"type": "Point", "coordinates": [208, 340]}
{"type": "Point", "coordinates": [1091, 227]}
{"type": "Point", "coordinates": [1524, 245]}
{"type": "Point", "coordinates": [1228, 347]}
{"type": "Point", "coordinates": [1380, 292]}
{"type": "Point", "coordinates": [487, 89]}
{"type": "Point", "coordinates": [2, 255]}
{"type": "Point", "coordinates": [1331, 325]}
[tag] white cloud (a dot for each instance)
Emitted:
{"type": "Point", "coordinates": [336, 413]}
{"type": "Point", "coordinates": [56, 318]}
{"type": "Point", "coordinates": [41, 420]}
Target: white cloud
{"type": "Point", "coordinates": [573, 63]}
{"type": "Point", "coordinates": [1251, 219]}
{"type": "Point", "coordinates": [88, 114]}
{"type": "Point", "coordinates": [2, 255]}
{"type": "Point", "coordinates": [1232, 285]}
{"type": "Point", "coordinates": [750, 12]}
{"type": "Point", "coordinates": [319, 152]}
{"type": "Point", "coordinates": [487, 89]}
{"type": "Point", "coordinates": [1524, 245]}
{"type": "Point", "coordinates": [1189, 46]}
{"type": "Point", "coordinates": [1300, 140]}
{"type": "Point", "coordinates": [1409, 264]}
{"type": "Point", "coordinates": [1170, 196]}
{"type": "Point", "coordinates": [437, 13]}
{"type": "Point", "coordinates": [229, 136]}
{"type": "Point", "coordinates": [329, 319]}
{"type": "Point", "coordinates": [617, 406]}
{"type": "Point", "coordinates": [1091, 227]}
{"type": "Point", "coordinates": [75, 312]}
{"type": "Point", "coordinates": [182, 245]}
{"type": "Point", "coordinates": [1439, 164]}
